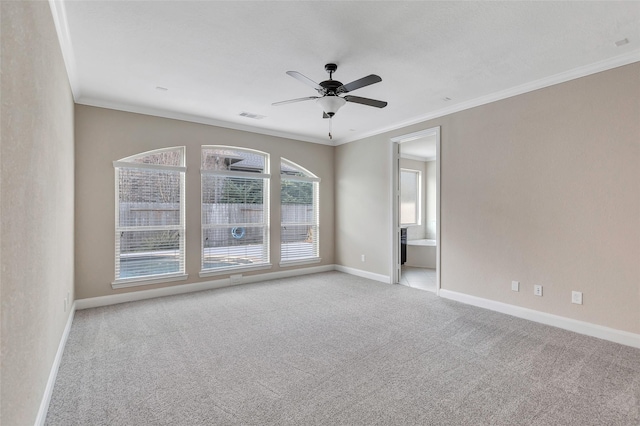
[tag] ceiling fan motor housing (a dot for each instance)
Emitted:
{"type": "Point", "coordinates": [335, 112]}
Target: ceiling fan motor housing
{"type": "Point", "coordinates": [330, 86]}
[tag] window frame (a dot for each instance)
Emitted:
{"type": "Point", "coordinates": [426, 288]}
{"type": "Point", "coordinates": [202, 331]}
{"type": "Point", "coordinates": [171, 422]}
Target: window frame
{"type": "Point", "coordinates": [266, 194]}
{"type": "Point", "coordinates": [181, 228]}
{"type": "Point", "coordinates": [418, 198]}
{"type": "Point", "coordinates": [315, 180]}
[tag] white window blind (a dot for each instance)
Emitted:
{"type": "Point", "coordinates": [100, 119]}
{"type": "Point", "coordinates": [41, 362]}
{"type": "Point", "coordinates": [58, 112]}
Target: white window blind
{"type": "Point", "coordinates": [410, 197]}
{"type": "Point", "coordinates": [150, 225]}
{"type": "Point", "coordinates": [299, 228]}
{"type": "Point", "coordinates": [235, 208]}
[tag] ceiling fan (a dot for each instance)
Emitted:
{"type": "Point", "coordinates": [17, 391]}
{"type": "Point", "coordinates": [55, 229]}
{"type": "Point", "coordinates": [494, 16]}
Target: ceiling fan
{"type": "Point", "coordinates": [330, 90]}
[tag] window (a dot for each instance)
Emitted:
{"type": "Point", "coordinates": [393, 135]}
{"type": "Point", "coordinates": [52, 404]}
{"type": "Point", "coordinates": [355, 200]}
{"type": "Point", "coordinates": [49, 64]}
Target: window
{"type": "Point", "coordinates": [235, 209]}
{"type": "Point", "coordinates": [150, 225]}
{"type": "Point", "coordinates": [409, 197]}
{"type": "Point", "coordinates": [299, 195]}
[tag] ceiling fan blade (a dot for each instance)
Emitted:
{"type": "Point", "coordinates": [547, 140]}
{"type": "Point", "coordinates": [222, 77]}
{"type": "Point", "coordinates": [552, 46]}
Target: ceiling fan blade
{"type": "Point", "coordinates": [366, 101]}
{"type": "Point", "coordinates": [290, 101]}
{"type": "Point", "coordinates": [305, 80]}
{"type": "Point", "coordinates": [364, 81]}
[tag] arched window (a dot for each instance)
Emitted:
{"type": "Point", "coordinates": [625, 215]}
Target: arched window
{"type": "Point", "coordinates": [235, 209]}
{"type": "Point", "coordinates": [299, 228]}
{"type": "Point", "coordinates": [150, 224]}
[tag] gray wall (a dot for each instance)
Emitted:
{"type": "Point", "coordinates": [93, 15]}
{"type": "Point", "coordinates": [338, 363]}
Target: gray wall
{"type": "Point", "coordinates": [104, 135]}
{"type": "Point", "coordinates": [36, 193]}
{"type": "Point", "coordinates": [543, 188]}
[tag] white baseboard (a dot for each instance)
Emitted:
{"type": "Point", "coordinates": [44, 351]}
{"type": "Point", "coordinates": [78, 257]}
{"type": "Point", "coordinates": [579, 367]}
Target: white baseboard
{"type": "Point", "coordinates": [582, 327]}
{"type": "Point", "coordinates": [48, 390]}
{"type": "Point", "coordinates": [113, 299]}
{"type": "Point", "coordinates": [364, 274]}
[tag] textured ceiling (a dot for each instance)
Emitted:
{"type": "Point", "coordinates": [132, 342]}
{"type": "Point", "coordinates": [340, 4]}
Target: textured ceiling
{"type": "Point", "coordinates": [219, 59]}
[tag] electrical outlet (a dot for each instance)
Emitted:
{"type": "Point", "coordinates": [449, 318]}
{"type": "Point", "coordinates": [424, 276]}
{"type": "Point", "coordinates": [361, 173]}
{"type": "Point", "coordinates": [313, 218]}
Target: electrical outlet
{"type": "Point", "coordinates": [515, 285]}
{"type": "Point", "coordinates": [362, 258]}
{"type": "Point", "coordinates": [537, 290]}
{"type": "Point", "coordinates": [576, 297]}
{"type": "Point", "coordinates": [236, 279]}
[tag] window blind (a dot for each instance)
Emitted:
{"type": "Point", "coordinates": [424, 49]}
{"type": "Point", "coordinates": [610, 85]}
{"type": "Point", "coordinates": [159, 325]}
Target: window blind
{"type": "Point", "coordinates": [299, 196]}
{"type": "Point", "coordinates": [150, 237]}
{"type": "Point", "coordinates": [235, 208]}
{"type": "Point", "coordinates": [409, 197]}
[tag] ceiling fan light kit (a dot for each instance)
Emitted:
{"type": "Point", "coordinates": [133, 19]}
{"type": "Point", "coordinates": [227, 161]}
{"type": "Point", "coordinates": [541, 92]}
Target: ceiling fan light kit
{"type": "Point", "coordinates": [331, 104]}
{"type": "Point", "coordinates": [330, 90]}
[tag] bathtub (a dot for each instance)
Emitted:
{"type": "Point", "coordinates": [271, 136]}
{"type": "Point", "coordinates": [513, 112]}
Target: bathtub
{"type": "Point", "coordinates": [421, 253]}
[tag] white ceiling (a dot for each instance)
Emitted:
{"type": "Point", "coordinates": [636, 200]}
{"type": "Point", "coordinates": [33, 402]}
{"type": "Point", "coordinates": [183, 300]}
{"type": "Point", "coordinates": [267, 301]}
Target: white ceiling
{"type": "Point", "coordinates": [219, 59]}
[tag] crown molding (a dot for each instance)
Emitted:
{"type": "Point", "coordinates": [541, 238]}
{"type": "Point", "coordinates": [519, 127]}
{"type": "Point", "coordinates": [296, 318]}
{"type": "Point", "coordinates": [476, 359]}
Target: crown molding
{"type": "Point", "coordinates": [596, 67]}
{"type": "Point", "coordinates": [196, 119]}
{"type": "Point", "coordinates": [59, 14]}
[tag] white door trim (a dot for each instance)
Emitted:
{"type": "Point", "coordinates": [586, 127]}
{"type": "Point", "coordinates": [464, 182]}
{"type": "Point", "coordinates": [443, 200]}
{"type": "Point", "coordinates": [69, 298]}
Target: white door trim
{"type": "Point", "coordinates": [394, 192]}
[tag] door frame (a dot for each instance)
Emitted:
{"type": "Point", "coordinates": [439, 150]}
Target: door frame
{"type": "Point", "coordinates": [395, 200]}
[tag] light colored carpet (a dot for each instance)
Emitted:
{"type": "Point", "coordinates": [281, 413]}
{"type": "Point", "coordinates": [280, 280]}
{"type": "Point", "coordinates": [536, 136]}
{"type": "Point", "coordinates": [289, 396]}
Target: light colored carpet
{"type": "Point", "coordinates": [334, 349]}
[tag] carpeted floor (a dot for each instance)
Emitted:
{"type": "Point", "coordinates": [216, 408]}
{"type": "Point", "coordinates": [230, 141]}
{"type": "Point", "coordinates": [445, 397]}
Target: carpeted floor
{"type": "Point", "coordinates": [334, 349]}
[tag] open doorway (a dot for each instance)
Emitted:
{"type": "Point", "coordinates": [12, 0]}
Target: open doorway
{"type": "Point", "coordinates": [416, 210]}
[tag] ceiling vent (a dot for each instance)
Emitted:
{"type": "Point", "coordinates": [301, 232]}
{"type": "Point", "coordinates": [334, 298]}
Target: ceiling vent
{"type": "Point", "coordinates": [251, 115]}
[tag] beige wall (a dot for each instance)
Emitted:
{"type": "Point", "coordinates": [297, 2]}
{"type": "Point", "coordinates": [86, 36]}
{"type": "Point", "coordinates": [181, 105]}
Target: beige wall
{"type": "Point", "coordinates": [363, 209]}
{"type": "Point", "coordinates": [37, 205]}
{"type": "Point", "coordinates": [104, 135]}
{"type": "Point", "coordinates": [543, 188]}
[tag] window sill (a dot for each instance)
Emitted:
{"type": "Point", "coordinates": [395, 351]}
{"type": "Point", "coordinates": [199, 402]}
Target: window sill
{"type": "Point", "coordinates": [233, 269]}
{"type": "Point", "coordinates": [156, 279]}
{"type": "Point", "coordinates": [298, 262]}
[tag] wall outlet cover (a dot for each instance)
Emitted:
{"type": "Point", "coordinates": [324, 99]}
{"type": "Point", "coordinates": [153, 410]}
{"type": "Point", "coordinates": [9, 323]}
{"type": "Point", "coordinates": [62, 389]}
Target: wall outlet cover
{"type": "Point", "coordinates": [515, 285]}
{"type": "Point", "coordinates": [576, 297]}
{"type": "Point", "coordinates": [537, 290]}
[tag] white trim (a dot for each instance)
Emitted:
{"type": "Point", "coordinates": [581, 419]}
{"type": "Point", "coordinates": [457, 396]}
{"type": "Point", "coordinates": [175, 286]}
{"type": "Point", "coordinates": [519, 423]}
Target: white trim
{"type": "Point", "coordinates": [135, 282]}
{"type": "Point", "coordinates": [128, 165]}
{"type": "Point", "coordinates": [581, 327]}
{"type": "Point", "coordinates": [299, 262]}
{"type": "Point", "coordinates": [417, 158]}
{"type": "Point", "coordinates": [53, 373]}
{"type": "Point", "coordinates": [438, 209]}
{"type": "Point", "coordinates": [234, 225]}
{"type": "Point", "coordinates": [149, 228]}
{"type": "Point", "coordinates": [234, 269]}
{"type": "Point", "coordinates": [113, 299]}
{"type": "Point", "coordinates": [132, 158]}
{"type": "Point", "coordinates": [409, 137]}
{"type": "Point", "coordinates": [607, 64]}
{"type": "Point", "coordinates": [297, 166]}
{"type": "Point", "coordinates": [394, 214]}
{"type": "Point", "coordinates": [395, 209]}
{"type": "Point", "coordinates": [364, 274]}
{"type": "Point", "coordinates": [236, 173]}
{"type": "Point", "coordinates": [300, 178]}
{"type": "Point", "coordinates": [64, 39]}
{"type": "Point", "coordinates": [173, 115]}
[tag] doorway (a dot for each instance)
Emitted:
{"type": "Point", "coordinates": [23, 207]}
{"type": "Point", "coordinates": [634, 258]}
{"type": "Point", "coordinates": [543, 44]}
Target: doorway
{"type": "Point", "coordinates": [415, 190]}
